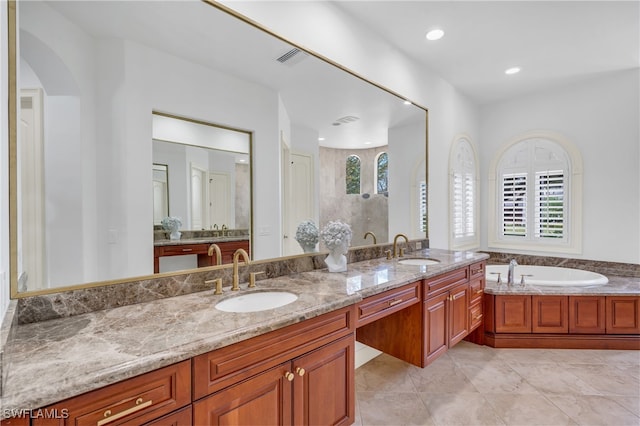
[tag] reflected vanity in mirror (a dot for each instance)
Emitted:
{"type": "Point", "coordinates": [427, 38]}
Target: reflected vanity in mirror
{"type": "Point", "coordinates": [92, 78]}
{"type": "Point", "coordinates": [210, 192]}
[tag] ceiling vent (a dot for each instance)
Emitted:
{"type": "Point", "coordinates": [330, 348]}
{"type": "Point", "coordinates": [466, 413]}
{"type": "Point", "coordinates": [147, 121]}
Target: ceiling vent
{"type": "Point", "coordinates": [292, 57]}
{"type": "Point", "coordinates": [346, 120]}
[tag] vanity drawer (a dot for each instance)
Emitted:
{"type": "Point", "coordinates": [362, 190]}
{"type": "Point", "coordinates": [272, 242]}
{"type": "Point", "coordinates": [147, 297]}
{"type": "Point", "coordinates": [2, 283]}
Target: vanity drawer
{"type": "Point", "coordinates": [475, 316]}
{"type": "Point", "coordinates": [133, 401]}
{"type": "Point", "coordinates": [476, 289]}
{"type": "Point", "coordinates": [181, 249]}
{"type": "Point", "coordinates": [229, 365]}
{"type": "Point", "coordinates": [378, 306]}
{"type": "Point", "coordinates": [477, 269]}
{"type": "Point", "coordinates": [444, 282]}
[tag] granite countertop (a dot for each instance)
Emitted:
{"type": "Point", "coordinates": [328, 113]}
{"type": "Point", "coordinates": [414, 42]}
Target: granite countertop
{"type": "Point", "coordinates": [53, 360]}
{"type": "Point", "coordinates": [200, 240]}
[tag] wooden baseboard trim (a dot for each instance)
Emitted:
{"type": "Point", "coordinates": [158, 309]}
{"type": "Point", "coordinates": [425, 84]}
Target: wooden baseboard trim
{"type": "Point", "coordinates": [562, 341]}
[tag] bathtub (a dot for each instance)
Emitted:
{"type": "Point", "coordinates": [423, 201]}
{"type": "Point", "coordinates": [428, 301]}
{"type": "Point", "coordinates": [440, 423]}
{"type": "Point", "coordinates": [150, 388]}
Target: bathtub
{"type": "Point", "coordinates": [546, 276]}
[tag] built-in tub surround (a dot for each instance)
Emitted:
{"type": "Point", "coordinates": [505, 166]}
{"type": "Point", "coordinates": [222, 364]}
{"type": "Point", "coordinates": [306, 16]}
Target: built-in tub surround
{"type": "Point", "coordinates": [75, 302]}
{"type": "Point", "coordinates": [52, 360]}
{"type": "Point", "coordinates": [601, 267]}
{"type": "Point", "coordinates": [545, 276]}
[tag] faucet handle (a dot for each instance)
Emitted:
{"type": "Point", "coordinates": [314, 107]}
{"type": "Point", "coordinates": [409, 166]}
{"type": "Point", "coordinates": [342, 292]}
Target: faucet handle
{"type": "Point", "coordinates": [401, 252]}
{"type": "Point", "coordinates": [389, 255]}
{"type": "Point", "coordinates": [252, 278]}
{"type": "Point", "coordinates": [218, 283]}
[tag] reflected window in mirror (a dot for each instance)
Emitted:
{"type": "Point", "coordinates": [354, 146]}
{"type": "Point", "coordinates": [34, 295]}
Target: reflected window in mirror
{"type": "Point", "coordinates": [160, 193]}
{"type": "Point", "coordinates": [353, 170]}
{"type": "Point", "coordinates": [382, 173]}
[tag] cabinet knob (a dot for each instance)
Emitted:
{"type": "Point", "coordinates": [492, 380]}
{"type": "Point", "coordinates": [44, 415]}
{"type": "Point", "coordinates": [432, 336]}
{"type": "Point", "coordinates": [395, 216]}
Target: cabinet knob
{"type": "Point", "coordinates": [300, 371]}
{"type": "Point", "coordinates": [289, 376]}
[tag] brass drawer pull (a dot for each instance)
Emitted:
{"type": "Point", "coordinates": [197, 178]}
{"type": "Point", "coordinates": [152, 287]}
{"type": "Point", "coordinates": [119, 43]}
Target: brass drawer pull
{"type": "Point", "coordinates": [476, 271]}
{"type": "Point", "coordinates": [289, 376]}
{"type": "Point", "coordinates": [109, 418]}
{"type": "Point", "coordinates": [300, 371]}
{"type": "Point", "coordinates": [394, 302]}
{"type": "Point", "coordinates": [187, 249]}
{"type": "Point", "coordinates": [480, 291]}
{"type": "Point", "coordinates": [477, 317]}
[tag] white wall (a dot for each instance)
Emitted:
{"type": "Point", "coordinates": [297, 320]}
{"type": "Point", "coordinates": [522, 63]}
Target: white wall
{"type": "Point", "coordinates": [325, 29]}
{"type": "Point", "coordinates": [600, 117]}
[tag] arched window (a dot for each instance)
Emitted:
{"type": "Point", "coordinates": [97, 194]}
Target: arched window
{"type": "Point", "coordinates": [353, 167]}
{"type": "Point", "coordinates": [382, 173]}
{"type": "Point", "coordinates": [463, 184]}
{"type": "Point", "coordinates": [534, 185]}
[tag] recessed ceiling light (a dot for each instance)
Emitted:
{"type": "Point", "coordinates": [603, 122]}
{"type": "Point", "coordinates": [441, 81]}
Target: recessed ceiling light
{"type": "Point", "coordinates": [435, 34]}
{"type": "Point", "coordinates": [320, 139]}
{"type": "Point", "coordinates": [513, 70]}
{"type": "Point", "coordinates": [407, 102]}
{"type": "Point", "coordinates": [367, 143]}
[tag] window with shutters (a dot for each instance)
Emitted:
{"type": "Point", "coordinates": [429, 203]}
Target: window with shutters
{"type": "Point", "coordinates": [422, 206]}
{"type": "Point", "coordinates": [353, 167]}
{"type": "Point", "coordinates": [463, 182]}
{"type": "Point", "coordinates": [535, 184]}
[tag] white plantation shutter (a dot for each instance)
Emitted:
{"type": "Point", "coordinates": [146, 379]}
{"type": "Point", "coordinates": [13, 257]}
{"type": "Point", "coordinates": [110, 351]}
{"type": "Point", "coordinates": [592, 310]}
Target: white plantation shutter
{"type": "Point", "coordinates": [514, 204]}
{"type": "Point", "coordinates": [463, 182]}
{"type": "Point", "coordinates": [549, 204]}
{"type": "Point", "coordinates": [463, 205]}
{"type": "Point", "coordinates": [422, 196]}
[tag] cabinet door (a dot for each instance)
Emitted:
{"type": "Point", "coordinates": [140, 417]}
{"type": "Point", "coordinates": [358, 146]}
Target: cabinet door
{"type": "Point", "coordinates": [586, 314]}
{"type": "Point", "coordinates": [435, 327]}
{"type": "Point", "coordinates": [550, 314]}
{"type": "Point", "coordinates": [264, 399]}
{"type": "Point", "coordinates": [623, 314]}
{"type": "Point", "coordinates": [513, 314]}
{"type": "Point", "coordinates": [323, 387]}
{"type": "Point", "coordinates": [458, 314]}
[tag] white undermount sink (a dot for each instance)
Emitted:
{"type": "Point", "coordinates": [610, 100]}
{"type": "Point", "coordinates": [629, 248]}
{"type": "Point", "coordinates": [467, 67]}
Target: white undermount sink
{"type": "Point", "coordinates": [418, 261]}
{"type": "Point", "coordinates": [254, 302]}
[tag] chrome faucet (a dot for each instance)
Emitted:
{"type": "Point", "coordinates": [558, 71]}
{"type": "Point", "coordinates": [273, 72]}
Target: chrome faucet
{"type": "Point", "coordinates": [511, 274]}
{"type": "Point", "coordinates": [216, 248]}
{"type": "Point", "coordinates": [236, 255]}
{"type": "Point", "coordinates": [395, 244]}
{"type": "Point", "coordinates": [224, 229]}
{"type": "Point", "coordinates": [375, 240]}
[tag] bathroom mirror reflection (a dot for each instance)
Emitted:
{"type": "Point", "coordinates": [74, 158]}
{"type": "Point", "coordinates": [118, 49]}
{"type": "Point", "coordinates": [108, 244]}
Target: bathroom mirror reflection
{"type": "Point", "coordinates": [90, 74]}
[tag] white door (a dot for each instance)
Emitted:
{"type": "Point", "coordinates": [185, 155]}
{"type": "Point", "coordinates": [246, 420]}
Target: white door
{"type": "Point", "coordinates": [220, 205]}
{"type": "Point", "coordinates": [31, 246]}
{"type": "Point", "coordinates": [160, 205]}
{"type": "Point", "coordinates": [301, 203]}
{"type": "Point", "coordinates": [198, 198]}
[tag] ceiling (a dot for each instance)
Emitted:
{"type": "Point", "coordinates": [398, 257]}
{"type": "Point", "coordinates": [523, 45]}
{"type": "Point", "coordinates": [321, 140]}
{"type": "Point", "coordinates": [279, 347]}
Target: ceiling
{"type": "Point", "coordinates": [554, 42]}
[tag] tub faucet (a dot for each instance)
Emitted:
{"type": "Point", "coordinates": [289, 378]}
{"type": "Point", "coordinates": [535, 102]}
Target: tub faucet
{"type": "Point", "coordinates": [511, 274]}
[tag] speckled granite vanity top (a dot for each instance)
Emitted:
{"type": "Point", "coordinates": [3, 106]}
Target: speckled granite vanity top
{"type": "Point", "coordinates": [200, 240]}
{"type": "Point", "coordinates": [52, 360]}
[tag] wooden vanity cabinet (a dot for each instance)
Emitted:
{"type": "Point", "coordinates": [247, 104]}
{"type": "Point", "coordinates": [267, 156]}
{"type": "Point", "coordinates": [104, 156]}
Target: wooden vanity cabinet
{"type": "Point", "coordinates": [301, 374]}
{"type": "Point", "coordinates": [550, 321]}
{"type": "Point", "coordinates": [446, 312]}
{"type": "Point", "coordinates": [138, 400]}
{"type": "Point", "coordinates": [476, 291]}
{"type": "Point", "coordinates": [201, 250]}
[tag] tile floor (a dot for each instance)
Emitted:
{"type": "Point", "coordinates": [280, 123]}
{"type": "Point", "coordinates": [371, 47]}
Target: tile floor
{"type": "Point", "coordinates": [478, 385]}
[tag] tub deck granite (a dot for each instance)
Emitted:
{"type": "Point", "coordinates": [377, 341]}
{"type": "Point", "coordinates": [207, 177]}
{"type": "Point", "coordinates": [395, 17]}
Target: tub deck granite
{"type": "Point", "coordinates": [45, 362]}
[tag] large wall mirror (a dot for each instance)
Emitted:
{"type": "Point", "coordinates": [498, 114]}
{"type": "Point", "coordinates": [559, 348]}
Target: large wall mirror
{"type": "Point", "coordinates": [91, 179]}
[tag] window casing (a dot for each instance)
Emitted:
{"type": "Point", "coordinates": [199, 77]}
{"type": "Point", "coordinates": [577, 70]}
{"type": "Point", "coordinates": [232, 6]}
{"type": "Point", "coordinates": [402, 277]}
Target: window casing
{"type": "Point", "coordinates": [463, 190]}
{"type": "Point", "coordinates": [382, 173]}
{"type": "Point", "coordinates": [535, 185]}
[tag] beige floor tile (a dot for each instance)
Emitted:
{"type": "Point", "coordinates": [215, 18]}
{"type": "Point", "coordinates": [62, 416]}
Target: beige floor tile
{"type": "Point", "coordinates": [442, 378]}
{"type": "Point", "coordinates": [496, 377]}
{"type": "Point", "coordinates": [607, 379]}
{"type": "Point", "coordinates": [460, 409]}
{"type": "Point", "coordinates": [527, 410]}
{"type": "Point", "coordinates": [631, 403]}
{"type": "Point", "coordinates": [393, 408]}
{"type": "Point", "coordinates": [595, 410]}
{"type": "Point", "coordinates": [464, 352]}
{"type": "Point", "coordinates": [384, 373]}
{"type": "Point", "coordinates": [552, 379]}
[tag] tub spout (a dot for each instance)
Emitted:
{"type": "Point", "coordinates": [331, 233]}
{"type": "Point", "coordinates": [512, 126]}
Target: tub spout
{"type": "Point", "coordinates": [511, 274]}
